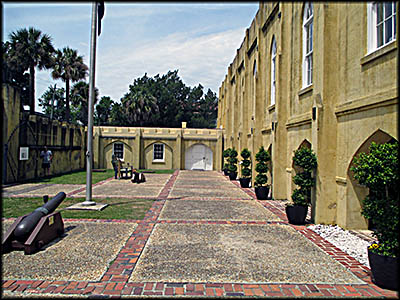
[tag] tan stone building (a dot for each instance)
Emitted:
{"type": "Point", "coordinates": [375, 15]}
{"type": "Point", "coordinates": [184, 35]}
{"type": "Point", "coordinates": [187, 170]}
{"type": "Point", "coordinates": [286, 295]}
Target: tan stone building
{"type": "Point", "coordinates": [317, 74]}
{"type": "Point", "coordinates": [158, 148]}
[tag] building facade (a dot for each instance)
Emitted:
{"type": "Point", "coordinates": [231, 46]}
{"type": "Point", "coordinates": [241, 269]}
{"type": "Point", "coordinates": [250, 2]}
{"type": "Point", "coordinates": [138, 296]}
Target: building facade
{"type": "Point", "coordinates": [323, 75]}
{"type": "Point", "coordinates": [158, 148]}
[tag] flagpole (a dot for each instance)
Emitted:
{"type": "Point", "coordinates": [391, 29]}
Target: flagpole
{"type": "Point", "coordinates": [89, 153]}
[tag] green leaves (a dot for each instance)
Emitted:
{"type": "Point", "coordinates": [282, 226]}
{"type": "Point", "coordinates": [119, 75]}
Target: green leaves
{"type": "Point", "coordinates": [246, 171]}
{"type": "Point", "coordinates": [378, 170]}
{"type": "Point", "coordinates": [172, 103]}
{"type": "Point", "coordinates": [262, 158]}
{"type": "Point", "coordinates": [307, 161]}
{"type": "Point", "coordinates": [232, 160]}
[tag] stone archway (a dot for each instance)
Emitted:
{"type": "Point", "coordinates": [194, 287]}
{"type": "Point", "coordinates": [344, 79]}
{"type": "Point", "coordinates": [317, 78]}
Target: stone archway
{"type": "Point", "coordinates": [356, 193]}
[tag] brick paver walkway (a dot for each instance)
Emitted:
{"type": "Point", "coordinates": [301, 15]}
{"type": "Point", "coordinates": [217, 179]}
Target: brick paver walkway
{"type": "Point", "coordinates": [115, 281]}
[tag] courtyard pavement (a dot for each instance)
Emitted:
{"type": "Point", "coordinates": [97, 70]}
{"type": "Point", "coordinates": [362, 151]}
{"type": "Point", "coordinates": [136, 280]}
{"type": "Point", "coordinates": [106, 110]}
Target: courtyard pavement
{"type": "Point", "coordinates": [203, 236]}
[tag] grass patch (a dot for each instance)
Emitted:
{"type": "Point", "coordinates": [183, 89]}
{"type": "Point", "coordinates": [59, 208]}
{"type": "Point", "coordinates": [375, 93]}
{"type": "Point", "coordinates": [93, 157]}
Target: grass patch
{"type": "Point", "coordinates": [78, 177]}
{"type": "Point", "coordinates": [121, 209]}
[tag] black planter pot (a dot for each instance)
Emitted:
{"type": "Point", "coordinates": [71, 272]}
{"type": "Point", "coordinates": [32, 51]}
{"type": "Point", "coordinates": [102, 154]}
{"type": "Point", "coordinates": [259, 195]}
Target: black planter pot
{"type": "Point", "coordinates": [384, 270]}
{"type": "Point", "coordinates": [232, 175]}
{"type": "Point", "coordinates": [226, 173]}
{"type": "Point", "coordinates": [262, 192]}
{"type": "Point", "coordinates": [296, 214]}
{"type": "Point", "coordinates": [244, 182]}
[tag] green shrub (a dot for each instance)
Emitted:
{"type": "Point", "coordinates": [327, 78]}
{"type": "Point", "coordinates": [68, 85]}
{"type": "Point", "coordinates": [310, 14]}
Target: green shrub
{"type": "Point", "coordinates": [262, 158]}
{"type": "Point", "coordinates": [307, 161]}
{"type": "Point", "coordinates": [232, 160]}
{"type": "Point", "coordinates": [378, 170]}
{"type": "Point", "coordinates": [246, 171]}
{"type": "Point", "coordinates": [225, 154]}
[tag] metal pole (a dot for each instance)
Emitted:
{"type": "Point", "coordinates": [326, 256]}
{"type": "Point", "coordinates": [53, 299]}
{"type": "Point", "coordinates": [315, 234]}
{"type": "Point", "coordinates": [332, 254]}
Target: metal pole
{"type": "Point", "coordinates": [89, 153]}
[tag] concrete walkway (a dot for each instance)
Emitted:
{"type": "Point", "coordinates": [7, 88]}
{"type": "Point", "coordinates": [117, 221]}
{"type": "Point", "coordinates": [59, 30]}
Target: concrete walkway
{"type": "Point", "coordinates": [203, 236]}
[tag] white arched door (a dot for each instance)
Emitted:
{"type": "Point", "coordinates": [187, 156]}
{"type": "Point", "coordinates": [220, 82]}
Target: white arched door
{"type": "Point", "coordinates": [199, 157]}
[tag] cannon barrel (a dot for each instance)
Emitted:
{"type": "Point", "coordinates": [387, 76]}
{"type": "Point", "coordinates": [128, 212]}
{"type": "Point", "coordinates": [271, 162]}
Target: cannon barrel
{"type": "Point", "coordinates": [26, 226]}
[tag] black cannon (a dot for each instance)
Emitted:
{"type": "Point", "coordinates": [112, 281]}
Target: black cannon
{"type": "Point", "coordinates": [32, 231]}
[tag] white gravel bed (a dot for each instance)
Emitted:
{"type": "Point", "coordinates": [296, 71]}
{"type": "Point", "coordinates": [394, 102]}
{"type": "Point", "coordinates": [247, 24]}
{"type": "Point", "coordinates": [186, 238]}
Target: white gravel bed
{"type": "Point", "coordinates": [344, 240]}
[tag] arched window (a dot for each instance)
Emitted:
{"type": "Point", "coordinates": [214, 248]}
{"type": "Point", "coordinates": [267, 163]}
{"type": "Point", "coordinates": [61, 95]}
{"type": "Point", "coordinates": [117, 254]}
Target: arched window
{"type": "Point", "coordinates": [273, 71]}
{"type": "Point", "coordinates": [381, 24]}
{"type": "Point", "coordinates": [255, 68]}
{"type": "Point", "coordinates": [308, 44]}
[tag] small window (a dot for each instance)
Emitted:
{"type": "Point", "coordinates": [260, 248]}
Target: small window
{"type": "Point", "coordinates": [118, 150]}
{"type": "Point", "coordinates": [158, 152]}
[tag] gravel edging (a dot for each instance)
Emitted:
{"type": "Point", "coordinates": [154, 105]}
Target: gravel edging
{"type": "Point", "coordinates": [353, 245]}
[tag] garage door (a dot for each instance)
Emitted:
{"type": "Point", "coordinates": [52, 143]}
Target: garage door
{"type": "Point", "coordinates": [199, 157]}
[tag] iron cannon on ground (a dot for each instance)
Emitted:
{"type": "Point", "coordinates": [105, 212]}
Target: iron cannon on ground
{"type": "Point", "coordinates": [34, 230]}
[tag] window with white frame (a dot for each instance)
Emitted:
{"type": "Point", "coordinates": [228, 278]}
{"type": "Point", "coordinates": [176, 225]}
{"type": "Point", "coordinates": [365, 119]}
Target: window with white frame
{"type": "Point", "coordinates": [118, 150]}
{"type": "Point", "coordinates": [273, 71]}
{"type": "Point", "coordinates": [308, 44]}
{"type": "Point", "coordinates": [381, 24]}
{"type": "Point", "coordinates": [158, 152]}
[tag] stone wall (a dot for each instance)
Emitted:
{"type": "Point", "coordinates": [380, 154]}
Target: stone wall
{"type": "Point", "coordinates": [23, 130]}
{"type": "Point", "coordinates": [353, 100]}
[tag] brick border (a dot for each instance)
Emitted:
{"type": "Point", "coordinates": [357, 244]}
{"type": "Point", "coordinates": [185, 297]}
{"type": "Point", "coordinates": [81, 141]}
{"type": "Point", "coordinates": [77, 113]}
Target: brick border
{"type": "Point", "coordinates": [114, 282]}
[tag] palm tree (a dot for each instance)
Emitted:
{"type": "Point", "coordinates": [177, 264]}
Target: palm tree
{"type": "Point", "coordinates": [80, 99]}
{"type": "Point", "coordinates": [29, 48]}
{"type": "Point", "coordinates": [139, 107]}
{"type": "Point", "coordinates": [68, 66]}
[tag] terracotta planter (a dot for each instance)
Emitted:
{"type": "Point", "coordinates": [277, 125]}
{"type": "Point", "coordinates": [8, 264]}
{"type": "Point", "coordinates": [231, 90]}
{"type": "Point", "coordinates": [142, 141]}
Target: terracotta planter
{"type": "Point", "coordinates": [232, 175]}
{"type": "Point", "coordinates": [262, 192]}
{"type": "Point", "coordinates": [296, 214]}
{"type": "Point", "coordinates": [384, 270]}
{"type": "Point", "coordinates": [244, 182]}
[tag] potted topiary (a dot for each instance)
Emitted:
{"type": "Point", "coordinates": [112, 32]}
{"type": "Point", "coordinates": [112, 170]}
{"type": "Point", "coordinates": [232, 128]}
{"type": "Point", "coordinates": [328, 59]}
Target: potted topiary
{"type": "Point", "coordinates": [246, 171]}
{"type": "Point", "coordinates": [260, 183]}
{"type": "Point", "coordinates": [305, 159]}
{"type": "Point", "coordinates": [225, 154]}
{"type": "Point", "coordinates": [232, 164]}
{"type": "Point", "coordinates": [378, 170]}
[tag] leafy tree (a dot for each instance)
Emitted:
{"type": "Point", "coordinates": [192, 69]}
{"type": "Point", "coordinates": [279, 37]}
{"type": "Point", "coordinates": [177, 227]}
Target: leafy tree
{"type": "Point", "coordinates": [246, 162]}
{"type": "Point", "coordinates": [15, 74]}
{"type": "Point", "coordinates": [139, 106]}
{"type": "Point", "coordinates": [68, 66]}
{"type": "Point", "coordinates": [170, 102]}
{"type": "Point", "coordinates": [206, 111]}
{"type": "Point", "coordinates": [80, 99]}
{"type": "Point", "coordinates": [262, 158]}
{"type": "Point", "coordinates": [103, 111]}
{"type": "Point", "coordinates": [378, 170]}
{"type": "Point", "coordinates": [28, 49]}
{"type": "Point", "coordinates": [58, 105]}
{"type": "Point", "coordinates": [118, 117]}
{"type": "Point", "coordinates": [305, 159]}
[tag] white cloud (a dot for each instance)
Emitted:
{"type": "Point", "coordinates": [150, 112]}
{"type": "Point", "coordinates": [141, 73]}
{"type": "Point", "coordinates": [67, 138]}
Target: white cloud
{"type": "Point", "coordinates": [203, 60]}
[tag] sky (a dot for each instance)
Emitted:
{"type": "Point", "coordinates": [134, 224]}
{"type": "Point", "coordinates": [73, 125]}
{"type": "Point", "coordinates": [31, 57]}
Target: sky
{"type": "Point", "coordinates": [199, 39]}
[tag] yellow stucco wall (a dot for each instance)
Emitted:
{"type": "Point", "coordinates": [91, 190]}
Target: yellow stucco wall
{"type": "Point", "coordinates": [138, 145]}
{"type": "Point", "coordinates": [353, 95]}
